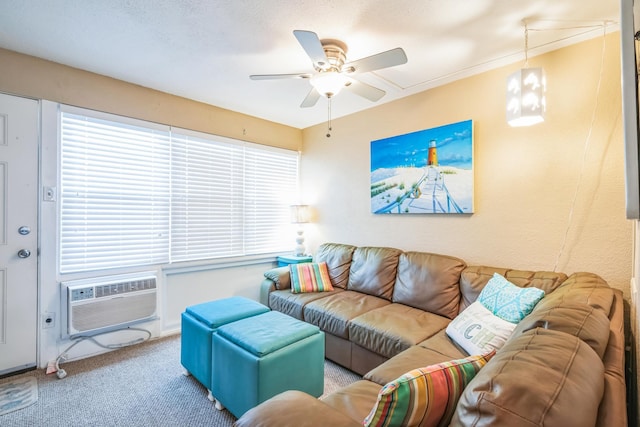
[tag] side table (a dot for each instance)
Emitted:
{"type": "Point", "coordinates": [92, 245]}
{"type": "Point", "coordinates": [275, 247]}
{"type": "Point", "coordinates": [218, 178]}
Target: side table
{"type": "Point", "coordinates": [284, 260]}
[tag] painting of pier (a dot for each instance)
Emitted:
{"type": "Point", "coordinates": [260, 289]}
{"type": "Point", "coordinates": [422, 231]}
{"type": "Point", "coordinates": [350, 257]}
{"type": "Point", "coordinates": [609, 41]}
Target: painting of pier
{"type": "Point", "coordinates": [424, 172]}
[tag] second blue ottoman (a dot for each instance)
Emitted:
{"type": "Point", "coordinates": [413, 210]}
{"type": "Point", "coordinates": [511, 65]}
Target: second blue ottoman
{"type": "Point", "coordinates": [261, 356]}
{"type": "Point", "coordinates": [199, 322]}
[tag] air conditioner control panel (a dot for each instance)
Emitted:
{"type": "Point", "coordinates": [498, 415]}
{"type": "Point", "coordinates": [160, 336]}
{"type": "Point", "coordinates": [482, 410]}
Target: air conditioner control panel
{"type": "Point", "coordinates": [81, 294]}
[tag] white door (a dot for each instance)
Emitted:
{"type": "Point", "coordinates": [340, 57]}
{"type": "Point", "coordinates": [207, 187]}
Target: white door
{"type": "Point", "coordinates": [18, 233]}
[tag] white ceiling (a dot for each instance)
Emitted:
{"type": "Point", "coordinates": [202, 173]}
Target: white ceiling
{"type": "Point", "coordinates": [206, 49]}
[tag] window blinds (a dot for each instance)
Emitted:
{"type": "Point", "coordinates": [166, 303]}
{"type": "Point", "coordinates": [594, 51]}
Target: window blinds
{"type": "Point", "coordinates": [230, 198]}
{"type": "Point", "coordinates": [207, 199]}
{"type": "Point", "coordinates": [270, 175]}
{"type": "Point", "coordinates": [114, 206]}
{"type": "Point", "coordinates": [132, 195]}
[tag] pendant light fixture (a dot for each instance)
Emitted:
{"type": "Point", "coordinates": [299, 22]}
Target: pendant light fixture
{"type": "Point", "coordinates": [526, 102]}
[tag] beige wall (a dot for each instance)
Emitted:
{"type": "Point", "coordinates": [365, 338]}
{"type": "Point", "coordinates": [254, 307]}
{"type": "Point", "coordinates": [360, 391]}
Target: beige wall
{"type": "Point", "coordinates": [525, 178]}
{"type": "Point", "coordinates": [31, 77]}
{"type": "Point", "coordinates": [36, 78]}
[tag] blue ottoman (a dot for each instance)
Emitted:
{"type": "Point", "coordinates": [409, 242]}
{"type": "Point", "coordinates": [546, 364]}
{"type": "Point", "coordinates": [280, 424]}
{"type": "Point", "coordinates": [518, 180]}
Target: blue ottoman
{"type": "Point", "coordinates": [199, 322]}
{"type": "Point", "coordinates": [261, 356]}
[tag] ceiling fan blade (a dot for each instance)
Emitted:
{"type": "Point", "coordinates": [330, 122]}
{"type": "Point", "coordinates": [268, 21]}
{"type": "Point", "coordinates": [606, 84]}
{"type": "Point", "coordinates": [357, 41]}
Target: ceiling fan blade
{"type": "Point", "coordinates": [311, 44]}
{"type": "Point", "coordinates": [311, 99]}
{"type": "Point", "coordinates": [390, 58]}
{"type": "Point", "coordinates": [365, 90]}
{"type": "Point", "coordinates": [279, 76]}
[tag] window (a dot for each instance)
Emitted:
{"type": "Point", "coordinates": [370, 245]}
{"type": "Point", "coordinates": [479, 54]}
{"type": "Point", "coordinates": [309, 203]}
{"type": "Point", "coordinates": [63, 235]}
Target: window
{"type": "Point", "coordinates": [142, 194]}
{"type": "Point", "coordinates": [114, 200]}
{"type": "Point", "coordinates": [228, 197]}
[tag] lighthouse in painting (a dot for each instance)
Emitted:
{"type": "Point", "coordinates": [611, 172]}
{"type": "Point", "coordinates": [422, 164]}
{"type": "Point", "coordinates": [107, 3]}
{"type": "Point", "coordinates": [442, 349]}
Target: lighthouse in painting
{"type": "Point", "coordinates": [432, 158]}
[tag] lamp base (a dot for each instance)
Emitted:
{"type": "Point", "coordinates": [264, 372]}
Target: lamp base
{"type": "Point", "coordinates": [299, 250]}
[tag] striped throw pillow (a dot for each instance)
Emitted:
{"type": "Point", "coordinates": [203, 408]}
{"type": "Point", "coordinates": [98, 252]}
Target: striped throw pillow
{"type": "Point", "coordinates": [425, 397]}
{"type": "Point", "coordinates": [310, 277]}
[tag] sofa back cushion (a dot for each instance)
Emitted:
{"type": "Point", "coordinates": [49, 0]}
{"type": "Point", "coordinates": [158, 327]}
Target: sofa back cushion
{"type": "Point", "coordinates": [373, 271]}
{"type": "Point", "coordinates": [338, 259]}
{"type": "Point", "coordinates": [539, 378]}
{"type": "Point", "coordinates": [429, 282]}
{"type": "Point", "coordinates": [474, 278]}
{"type": "Point", "coordinates": [586, 288]}
{"type": "Point", "coordinates": [589, 324]}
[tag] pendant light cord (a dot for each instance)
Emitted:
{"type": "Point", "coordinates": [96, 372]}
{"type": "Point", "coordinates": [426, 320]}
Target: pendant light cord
{"type": "Point", "coordinates": [526, 44]}
{"type": "Point", "coordinates": [587, 143]}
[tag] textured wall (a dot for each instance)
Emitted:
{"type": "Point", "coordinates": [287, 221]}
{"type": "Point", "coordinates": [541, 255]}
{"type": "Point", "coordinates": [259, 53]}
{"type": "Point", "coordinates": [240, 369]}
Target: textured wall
{"type": "Point", "coordinates": [36, 78]}
{"type": "Point", "coordinates": [525, 178]}
{"type": "Point", "coordinates": [31, 77]}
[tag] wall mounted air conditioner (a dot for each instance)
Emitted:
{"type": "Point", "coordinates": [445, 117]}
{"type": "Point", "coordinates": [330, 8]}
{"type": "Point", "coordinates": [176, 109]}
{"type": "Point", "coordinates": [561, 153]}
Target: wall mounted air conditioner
{"type": "Point", "coordinates": [108, 303]}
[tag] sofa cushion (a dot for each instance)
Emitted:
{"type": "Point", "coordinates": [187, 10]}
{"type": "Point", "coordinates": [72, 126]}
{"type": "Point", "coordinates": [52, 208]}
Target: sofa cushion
{"type": "Point", "coordinates": [393, 328]}
{"type": "Point", "coordinates": [333, 313]}
{"type": "Point", "coordinates": [442, 343]}
{"type": "Point", "coordinates": [290, 408]}
{"type": "Point", "coordinates": [412, 358]}
{"type": "Point", "coordinates": [293, 304]}
{"type": "Point", "coordinates": [478, 330]}
{"type": "Point", "coordinates": [589, 324]}
{"type": "Point", "coordinates": [310, 277]}
{"type": "Point", "coordinates": [338, 259]}
{"type": "Point", "coordinates": [586, 288]}
{"type": "Point", "coordinates": [354, 400]}
{"type": "Point", "coordinates": [425, 396]}
{"type": "Point", "coordinates": [548, 281]}
{"type": "Point", "coordinates": [508, 301]}
{"type": "Point", "coordinates": [539, 378]}
{"type": "Point", "coordinates": [612, 410]}
{"type": "Point", "coordinates": [429, 282]}
{"type": "Point", "coordinates": [474, 278]}
{"type": "Point", "coordinates": [373, 271]}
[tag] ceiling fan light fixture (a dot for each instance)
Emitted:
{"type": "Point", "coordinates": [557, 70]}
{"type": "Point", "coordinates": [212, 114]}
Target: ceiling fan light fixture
{"type": "Point", "coordinates": [329, 57]}
{"type": "Point", "coordinates": [329, 83]}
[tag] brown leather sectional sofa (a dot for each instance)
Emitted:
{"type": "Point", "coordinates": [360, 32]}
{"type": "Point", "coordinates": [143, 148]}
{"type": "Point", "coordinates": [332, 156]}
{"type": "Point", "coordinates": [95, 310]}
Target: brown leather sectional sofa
{"type": "Point", "coordinates": [562, 366]}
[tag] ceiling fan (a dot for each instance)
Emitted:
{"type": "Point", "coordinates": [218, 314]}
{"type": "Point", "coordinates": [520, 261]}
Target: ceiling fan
{"type": "Point", "coordinates": [333, 72]}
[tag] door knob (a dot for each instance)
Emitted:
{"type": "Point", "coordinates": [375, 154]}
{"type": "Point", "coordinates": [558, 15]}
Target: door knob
{"type": "Point", "coordinates": [24, 253]}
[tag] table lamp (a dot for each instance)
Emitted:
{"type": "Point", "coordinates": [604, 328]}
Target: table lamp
{"type": "Point", "coordinates": [299, 215]}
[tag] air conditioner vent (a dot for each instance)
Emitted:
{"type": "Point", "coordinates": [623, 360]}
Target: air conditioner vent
{"type": "Point", "coordinates": [125, 287]}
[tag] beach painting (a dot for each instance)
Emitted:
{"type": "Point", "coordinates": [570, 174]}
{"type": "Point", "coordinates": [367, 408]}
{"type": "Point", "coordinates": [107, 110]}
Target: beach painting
{"type": "Point", "coordinates": [424, 172]}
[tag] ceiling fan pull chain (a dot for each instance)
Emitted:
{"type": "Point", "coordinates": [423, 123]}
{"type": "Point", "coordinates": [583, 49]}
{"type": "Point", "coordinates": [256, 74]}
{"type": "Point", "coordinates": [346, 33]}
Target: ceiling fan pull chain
{"type": "Point", "coordinates": [329, 119]}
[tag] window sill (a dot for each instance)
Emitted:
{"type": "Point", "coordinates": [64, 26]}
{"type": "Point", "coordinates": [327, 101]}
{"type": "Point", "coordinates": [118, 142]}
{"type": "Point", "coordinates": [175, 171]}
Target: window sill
{"type": "Point", "coordinates": [215, 264]}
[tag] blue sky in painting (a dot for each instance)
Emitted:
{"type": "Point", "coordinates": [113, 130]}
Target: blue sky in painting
{"type": "Point", "coordinates": [453, 141]}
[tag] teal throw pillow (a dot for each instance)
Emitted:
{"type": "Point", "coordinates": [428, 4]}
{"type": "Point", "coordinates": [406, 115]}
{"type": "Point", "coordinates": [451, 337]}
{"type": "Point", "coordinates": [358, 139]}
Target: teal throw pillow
{"type": "Point", "coordinates": [508, 301]}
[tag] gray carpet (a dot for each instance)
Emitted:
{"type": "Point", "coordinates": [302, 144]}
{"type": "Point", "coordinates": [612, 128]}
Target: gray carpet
{"type": "Point", "coordinates": [141, 385]}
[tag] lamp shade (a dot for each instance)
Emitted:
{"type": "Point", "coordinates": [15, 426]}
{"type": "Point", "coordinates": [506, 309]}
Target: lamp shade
{"type": "Point", "coordinates": [526, 102]}
{"type": "Point", "coordinates": [299, 214]}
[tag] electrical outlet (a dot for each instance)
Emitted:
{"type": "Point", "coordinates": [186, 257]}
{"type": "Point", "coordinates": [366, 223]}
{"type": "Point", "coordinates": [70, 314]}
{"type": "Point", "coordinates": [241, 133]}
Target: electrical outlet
{"type": "Point", "coordinates": [48, 320]}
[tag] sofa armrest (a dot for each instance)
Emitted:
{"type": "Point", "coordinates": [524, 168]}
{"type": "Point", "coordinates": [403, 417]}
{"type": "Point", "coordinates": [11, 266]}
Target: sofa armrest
{"type": "Point", "coordinates": [276, 278]}
{"type": "Point", "coordinates": [266, 287]}
{"type": "Point", "coordinates": [294, 409]}
{"type": "Point", "coordinates": [279, 276]}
